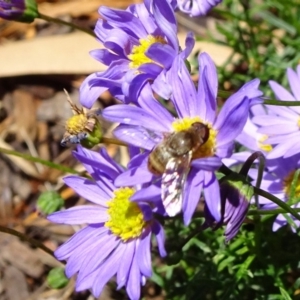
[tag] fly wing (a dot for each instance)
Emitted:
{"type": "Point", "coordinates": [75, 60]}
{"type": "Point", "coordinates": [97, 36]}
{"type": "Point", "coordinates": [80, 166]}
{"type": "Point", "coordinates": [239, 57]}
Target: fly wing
{"type": "Point", "coordinates": [173, 181]}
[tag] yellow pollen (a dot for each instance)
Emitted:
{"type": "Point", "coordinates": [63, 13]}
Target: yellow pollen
{"type": "Point", "coordinates": [207, 149]}
{"type": "Point", "coordinates": [261, 145]}
{"type": "Point", "coordinates": [287, 182]}
{"type": "Point", "coordinates": [298, 123]}
{"type": "Point", "coordinates": [138, 56]}
{"type": "Point", "coordinates": [126, 218]}
{"type": "Point", "coordinates": [76, 124]}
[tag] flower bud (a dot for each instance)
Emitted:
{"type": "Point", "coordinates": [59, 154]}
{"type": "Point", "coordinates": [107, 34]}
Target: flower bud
{"type": "Point", "coordinates": [19, 10]}
{"type": "Point", "coordinates": [57, 278]}
{"type": "Point", "coordinates": [49, 202]}
{"type": "Point", "coordinates": [236, 194]}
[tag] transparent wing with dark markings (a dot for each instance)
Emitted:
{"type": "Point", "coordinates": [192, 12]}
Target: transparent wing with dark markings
{"type": "Point", "coordinates": [173, 181]}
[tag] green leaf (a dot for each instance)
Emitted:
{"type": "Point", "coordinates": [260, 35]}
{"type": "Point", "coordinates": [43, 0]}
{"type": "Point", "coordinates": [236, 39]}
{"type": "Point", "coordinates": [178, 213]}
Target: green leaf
{"type": "Point", "coordinates": [273, 20]}
{"type": "Point", "coordinates": [284, 294]}
{"type": "Point", "coordinates": [243, 268]}
{"type": "Point", "coordinates": [57, 278]}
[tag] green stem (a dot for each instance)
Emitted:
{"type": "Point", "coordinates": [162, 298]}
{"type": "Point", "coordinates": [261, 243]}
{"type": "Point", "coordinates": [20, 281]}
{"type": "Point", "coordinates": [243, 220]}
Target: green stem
{"type": "Point", "coordinates": [61, 22]}
{"type": "Point", "coordinates": [262, 212]}
{"type": "Point", "coordinates": [26, 238]}
{"type": "Point", "coordinates": [282, 103]}
{"type": "Point", "coordinates": [39, 160]}
{"type": "Point", "coordinates": [277, 201]}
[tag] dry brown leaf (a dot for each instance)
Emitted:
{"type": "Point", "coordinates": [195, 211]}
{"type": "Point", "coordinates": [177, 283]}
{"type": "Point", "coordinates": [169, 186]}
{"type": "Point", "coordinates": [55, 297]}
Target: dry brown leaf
{"type": "Point", "coordinates": [78, 8]}
{"type": "Point", "coordinates": [15, 284]}
{"type": "Point", "coordinates": [69, 54]}
{"type": "Point", "coordinates": [21, 256]}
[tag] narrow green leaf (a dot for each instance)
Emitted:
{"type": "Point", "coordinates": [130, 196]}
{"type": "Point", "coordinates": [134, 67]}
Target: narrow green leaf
{"type": "Point", "coordinates": [273, 20]}
{"type": "Point", "coordinates": [40, 161]}
{"type": "Point", "coordinates": [243, 268]}
{"type": "Point", "coordinates": [284, 294]}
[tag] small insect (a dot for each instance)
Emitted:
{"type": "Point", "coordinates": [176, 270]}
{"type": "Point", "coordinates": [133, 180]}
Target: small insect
{"type": "Point", "coordinates": [171, 159]}
{"type": "Point", "coordinates": [80, 125]}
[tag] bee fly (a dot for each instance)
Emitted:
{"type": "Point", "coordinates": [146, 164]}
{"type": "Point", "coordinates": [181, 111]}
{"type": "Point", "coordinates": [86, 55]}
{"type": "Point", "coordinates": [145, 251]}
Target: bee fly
{"type": "Point", "coordinates": [171, 159]}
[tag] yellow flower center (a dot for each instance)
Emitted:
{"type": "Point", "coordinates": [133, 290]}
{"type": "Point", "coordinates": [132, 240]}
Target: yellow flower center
{"type": "Point", "coordinates": [138, 56]}
{"type": "Point", "coordinates": [126, 218]}
{"type": "Point", "coordinates": [76, 124]}
{"type": "Point", "coordinates": [298, 123]}
{"type": "Point", "coordinates": [261, 145]}
{"type": "Point", "coordinates": [287, 183]}
{"type": "Point", "coordinates": [208, 148]}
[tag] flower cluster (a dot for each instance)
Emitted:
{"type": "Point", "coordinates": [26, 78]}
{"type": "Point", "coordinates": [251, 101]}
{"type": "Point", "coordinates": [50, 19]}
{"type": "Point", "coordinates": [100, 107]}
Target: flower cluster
{"type": "Point", "coordinates": [178, 137]}
{"type": "Point", "coordinates": [275, 130]}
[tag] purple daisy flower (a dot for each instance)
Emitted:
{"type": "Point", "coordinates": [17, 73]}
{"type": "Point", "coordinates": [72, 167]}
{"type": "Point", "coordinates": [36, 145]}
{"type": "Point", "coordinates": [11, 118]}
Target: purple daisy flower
{"type": "Point", "coordinates": [197, 7]}
{"type": "Point", "coordinates": [279, 183]}
{"type": "Point", "coordinates": [140, 44]}
{"type": "Point", "coordinates": [281, 124]}
{"type": "Point", "coordinates": [148, 126]}
{"type": "Point", "coordinates": [117, 239]}
{"type": "Point", "coordinates": [18, 10]}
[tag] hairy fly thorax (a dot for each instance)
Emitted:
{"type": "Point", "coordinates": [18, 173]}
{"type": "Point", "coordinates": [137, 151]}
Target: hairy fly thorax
{"type": "Point", "coordinates": [176, 145]}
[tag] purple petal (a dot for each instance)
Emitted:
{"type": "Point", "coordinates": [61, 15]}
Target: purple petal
{"type": "Point", "coordinates": [125, 264]}
{"type": "Point", "coordinates": [280, 92]}
{"type": "Point", "coordinates": [87, 189]}
{"type": "Point", "coordinates": [136, 136]}
{"type": "Point", "coordinates": [88, 93]}
{"type": "Point", "coordinates": [123, 19]}
{"type": "Point", "coordinates": [212, 195]}
{"type": "Point", "coordinates": [268, 120]}
{"type": "Point", "coordinates": [184, 92]}
{"type": "Point", "coordinates": [75, 262]}
{"type": "Point", "coordinates": [80, 215]}
{"type": "Point", "coordinates": [81, 237]}
{"type": "Point", "coordinates": [162, 54]}
{"type": "Point", "coordinates": [205, 61]}
{"type": "Point", "coordinates": [107, 270]}
{"type": "Point", "coordinates": [158, 230]}
{"type": "Point", "coordinates": [207, 88]}
{"type": "Point", "coordinates": [151, 193]}
{"type": "Point", "coordinates": [149, 103]}
{"type": "Point", "coordinates": [294, 82]}
{"type": "Point", "coordinates": [282, 149]}
{"type": "Point", "coordinates": [104, 56]}
{"type": "Point", "coordinates": [232, 119]}
{"type": "Point", "coordinates": [119, 42]}
{"type": "Point", "coordinates": [134, 176]}
{"type": "Point", "coordinates": [165, 19]}
{"type": "Point", "coordinates": [189, 45]}
{"type": "Point", "coordinates": [208, 163]}
{"type": "Point", "coordinates": [133, 286]}
{"type": "Point", "coordinates": [278, 129]}
{"type": "Point", "coordinates": [107, 245]}
{"type": "Point", "coordinates": [192, 192]}
{"type": "Point", "coordinates": [144, 255]}
{"type": "Point", "coordinates": [132, 115]}
{"type": "Point", "coordinates": [161, 86]}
